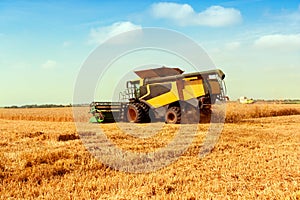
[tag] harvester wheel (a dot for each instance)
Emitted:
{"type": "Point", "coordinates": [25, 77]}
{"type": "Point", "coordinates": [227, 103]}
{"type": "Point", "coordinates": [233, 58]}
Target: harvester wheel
{"type": "Point", "coordinates": [146, 109]}
{"type": "Point", "coordinates": [173, 115]}
{"type": "Point", "coordinates": [135, 113]}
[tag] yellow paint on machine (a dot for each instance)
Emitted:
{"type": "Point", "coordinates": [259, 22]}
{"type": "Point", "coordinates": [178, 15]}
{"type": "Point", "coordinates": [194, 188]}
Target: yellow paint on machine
{"type": "Point", "coordinates": [166, 98]}
{"type": "Point", "coordinates": [193, 89]}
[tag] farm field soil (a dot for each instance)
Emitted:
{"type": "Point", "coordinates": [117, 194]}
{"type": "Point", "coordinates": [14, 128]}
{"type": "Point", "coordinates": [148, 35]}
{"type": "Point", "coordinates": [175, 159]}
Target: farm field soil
{"type": "Point", "coordinates": [257, 157]}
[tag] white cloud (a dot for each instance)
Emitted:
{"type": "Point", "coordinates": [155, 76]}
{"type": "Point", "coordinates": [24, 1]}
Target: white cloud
{"type": "Point", "coordinates": [291, 16]}
{"type": "Point", "coordinates": [295, 15]}
{"type": "Point", "coordinates": [279, 42]}
{"type": "Point", "coordinates": [232, 46]}
{"type": "Point", "coordinates": [66, 44]}
{"type": "Point", "coordinates": [101, 34]}
{"type": "Point", "coordinates": [185, 15]}
{"type": "Point", "coordinates": [49, 64]}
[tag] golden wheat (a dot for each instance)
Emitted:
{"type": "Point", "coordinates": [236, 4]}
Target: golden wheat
{"type": "Point", "coordinates": [258, 159]}
{"type": "Point", "coordinates": [235, 112]}
{"type": "Point", "coordinates": [45, 114]}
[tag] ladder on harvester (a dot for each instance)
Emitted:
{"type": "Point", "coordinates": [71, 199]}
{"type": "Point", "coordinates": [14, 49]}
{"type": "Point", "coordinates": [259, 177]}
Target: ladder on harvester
{"type": "Point", "coordinates": [122, 117]}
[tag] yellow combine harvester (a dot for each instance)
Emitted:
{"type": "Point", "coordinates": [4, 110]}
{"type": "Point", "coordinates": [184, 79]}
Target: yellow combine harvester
{"type": "Point", "coordinates": [163, 94]}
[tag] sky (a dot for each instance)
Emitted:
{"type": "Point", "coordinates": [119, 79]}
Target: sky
{"type": "Point", "coordinates": [43, 44]}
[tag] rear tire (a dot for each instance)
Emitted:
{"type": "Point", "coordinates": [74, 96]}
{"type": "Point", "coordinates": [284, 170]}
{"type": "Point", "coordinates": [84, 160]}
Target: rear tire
{"type": "Point", "coordinates": [135, 113]}
{"type": "Point", "coordinates": [173, 115]}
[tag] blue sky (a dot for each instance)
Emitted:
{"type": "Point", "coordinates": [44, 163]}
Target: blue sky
{"type": "Point", "coordinates": [43, 44]}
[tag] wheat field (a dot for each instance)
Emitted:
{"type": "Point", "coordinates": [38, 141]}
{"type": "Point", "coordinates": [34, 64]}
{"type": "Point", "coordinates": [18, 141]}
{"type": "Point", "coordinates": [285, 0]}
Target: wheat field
{"type": "Point", "coordinates": [257, 157]}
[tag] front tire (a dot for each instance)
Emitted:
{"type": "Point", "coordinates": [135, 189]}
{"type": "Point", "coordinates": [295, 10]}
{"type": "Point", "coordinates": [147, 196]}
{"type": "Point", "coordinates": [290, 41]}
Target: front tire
{"type": "Point", "coordinates": [146, 110]}
{"type": "Point", "coordinates": [135, 113]}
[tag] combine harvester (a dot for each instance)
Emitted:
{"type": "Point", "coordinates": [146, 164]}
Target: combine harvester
{"type": "Point", "coordinates": [245, 100]}
{"type": "Point", "coordinates": [163, 94]}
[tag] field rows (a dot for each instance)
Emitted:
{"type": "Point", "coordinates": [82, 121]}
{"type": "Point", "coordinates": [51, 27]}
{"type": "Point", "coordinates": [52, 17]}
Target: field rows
{"type": "Point", "coordinates": [235, 112]}
{"type": "Point", "coordinates": [256, 158]}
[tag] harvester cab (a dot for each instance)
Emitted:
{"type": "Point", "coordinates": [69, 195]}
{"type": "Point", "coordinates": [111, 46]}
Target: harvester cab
{"type": "Point", "coordinates": [165, 94]}
{"type": "Point", "coordinates": [133, 88]}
